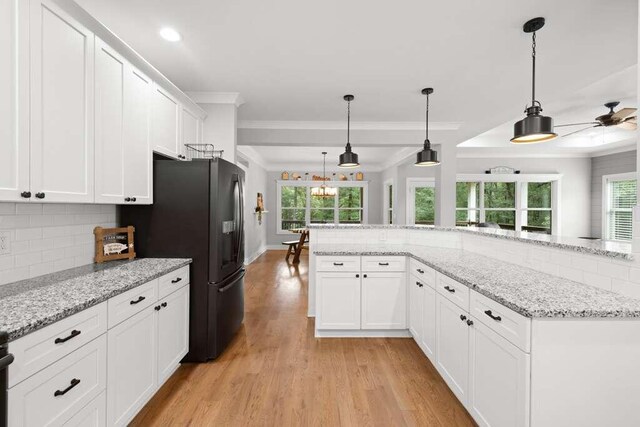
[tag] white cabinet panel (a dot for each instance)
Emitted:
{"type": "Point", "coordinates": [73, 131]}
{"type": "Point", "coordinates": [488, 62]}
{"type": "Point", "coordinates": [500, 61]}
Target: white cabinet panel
{"type": "Point", "coordinates": [165, 123]}
{"type": "Point", "coordinates": [14, 100]}
{"type": "Point", "coordinates": [338, 300]}
{"type": "Point", "coordinates": [454, 291]}
{"type": "Point", "coordinates": [498, 380]}
{"type": "Point", "coordinates": [173, 281]}
{"type": "Point", "coordinates": [337, 263]}
{"type": "Point", "coordinates": [132, 366]}
{"type": "Point", "coordinates": [452, 346]}
{"type": "Point", "coordinates": [429, 323]}
{"type": "Point", "coordinates": [173, 332]}
{"type": "Point", "coordinates": [416, 308]}
{"type": "Point", "coordinates": [384, 301]}
{"type": "Point", "coordinates": [62, 105]}
{"type": "Point", "coordinates": [92, 415]}
{"type": "Point", "coordinates": [133, 301]}
{"type": "Point", "coordinates": [384, 263]}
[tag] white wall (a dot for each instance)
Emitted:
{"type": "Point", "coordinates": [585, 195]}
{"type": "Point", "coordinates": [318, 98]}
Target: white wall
{"type": "Point", "coordinates": [46, 238]}
{"type": "Point", "coordinates": [220, 128]}
{"type": "Point", "coordinates": [255, 240]}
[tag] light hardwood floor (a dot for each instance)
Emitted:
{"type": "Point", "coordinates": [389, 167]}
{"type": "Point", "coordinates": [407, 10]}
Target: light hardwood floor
{"type": "Point", "coordinates": [276, 373]}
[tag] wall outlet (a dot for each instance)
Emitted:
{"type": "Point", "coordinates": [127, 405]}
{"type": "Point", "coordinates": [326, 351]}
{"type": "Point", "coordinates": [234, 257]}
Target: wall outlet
{"type": "Point", "coordinates": [5, 243]}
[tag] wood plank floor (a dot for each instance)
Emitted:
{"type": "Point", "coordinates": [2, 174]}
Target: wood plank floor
{"type": "Point", "coordinates": [276, 373]}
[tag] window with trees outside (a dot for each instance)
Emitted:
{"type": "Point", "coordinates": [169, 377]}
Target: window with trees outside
{"type": "Point", "coordinates": [298, 207]}
{"type": "Point", "coordinates": [619, 199]}
{"type": "Point", "coordinates": [421, 202]}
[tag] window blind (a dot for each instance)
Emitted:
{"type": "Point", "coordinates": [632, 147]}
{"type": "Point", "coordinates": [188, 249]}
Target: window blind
{"type": "Point", "coordinates": [622, 198]}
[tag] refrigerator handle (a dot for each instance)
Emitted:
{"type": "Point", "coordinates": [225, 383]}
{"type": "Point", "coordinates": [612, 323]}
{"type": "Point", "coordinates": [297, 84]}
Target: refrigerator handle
{"type": "Point", "coordinates": [240, 219]}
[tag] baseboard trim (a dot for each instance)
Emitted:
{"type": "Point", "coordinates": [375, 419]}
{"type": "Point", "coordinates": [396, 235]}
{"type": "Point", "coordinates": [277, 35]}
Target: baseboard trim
{"type": "Point", "coordinates": [359, 333]}
{"type": "Point", "coordinates": [255, 255]}
{"type": "Point", "coordinates": [276, 247]}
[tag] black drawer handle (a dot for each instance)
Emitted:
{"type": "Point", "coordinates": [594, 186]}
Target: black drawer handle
{"type": "Point", "coordinates": [164, 304]}
{"type": "Point", "coordinates": [39, 195]}
{"type": "Point", "coordinates": [25, 194]}
{"type": "Point", "coordinates": [140, 299]}
{"type": "Point", "coordinates": [490, 314]}
{"type": "Point", "coordinates": [383, 263]}
{"type": "Point", "coordinates": [133, 199]}
{"type": "Point", "coordinates": [357, 275]}
{"type": "Point", "coordinates": [74, 382]}
{"type": "Point", "coordinates": [364, 275]}
{"type": "Point", "coordinates": [419, 284]}
{"type": "Point", "coordinates": [463, 317]}
{"type": "Point", "coordinates": [338, 263]}
{"type": "Point", "coordinates": [470, 322]}
{"type": "Point", "coordinates": [127, 199]}
{"type": "Point", "coordinates": [421, 271]}
{"type": "Point", "coordinates": [157, 308]}
{"type": "Point", "coordinates": [453, 291]}
{"type": "Point", "coordinates": [73, 334]}
{"type": "Point", "coordinates": [176, 280]}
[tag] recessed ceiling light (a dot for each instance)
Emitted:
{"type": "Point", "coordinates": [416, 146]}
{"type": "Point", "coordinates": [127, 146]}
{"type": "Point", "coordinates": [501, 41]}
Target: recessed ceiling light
{"type": "Point", "coordinates": [170, 34]}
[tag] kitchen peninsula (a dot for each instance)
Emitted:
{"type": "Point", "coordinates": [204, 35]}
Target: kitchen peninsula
{"type": "Point", "coordinates": [519, 327]}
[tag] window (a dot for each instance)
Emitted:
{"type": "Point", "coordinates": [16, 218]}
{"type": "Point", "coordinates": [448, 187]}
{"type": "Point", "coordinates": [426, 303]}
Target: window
{"type": "Point", "coordinates": [619, 200]}
{"type": "Point", "coordinates": [421, 201]}
{"type": "Point", "coordinates": [298, 207]}
{"type": "Point", "coordinates": [500, 204]}
{"type": "Point", "coordinates": [467, 203]}
{"type": "Point", "coordinates": [537, 212]}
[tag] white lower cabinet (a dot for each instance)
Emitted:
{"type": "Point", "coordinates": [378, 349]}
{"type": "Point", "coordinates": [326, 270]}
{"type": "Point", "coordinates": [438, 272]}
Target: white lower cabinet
{"type": "Point", "coordinates": [498, 379]}
{"type": "Point", "coordinates": [338, 301]}
{"type": "Point", "coordinates": [416, 309]}
{"type": "Point", "coordinates": [429, 323]}
{"type": "Point", "coordinates": [384, 300]}
{"type": "Point", "coordinates": [92, 415]}
{"type": "Point", "coordinates": [132, 372]}
{"type": "Point", "coordinates": [173, 332]}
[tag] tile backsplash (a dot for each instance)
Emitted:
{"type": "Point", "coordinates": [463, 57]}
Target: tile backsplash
{"type": "Point", "coordinates": [46, 237]}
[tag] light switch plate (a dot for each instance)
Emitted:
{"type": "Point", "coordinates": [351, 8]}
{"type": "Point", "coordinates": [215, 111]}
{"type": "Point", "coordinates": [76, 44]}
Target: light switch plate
{"type": "Point", "coordinates": [5, 243]}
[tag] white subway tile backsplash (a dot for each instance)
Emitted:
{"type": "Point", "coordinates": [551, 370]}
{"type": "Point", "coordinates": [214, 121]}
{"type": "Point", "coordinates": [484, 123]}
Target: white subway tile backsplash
{"type": "Point", "coordinates": [7, 208]}
{"type": "Point", "coordinates": [597, 280]}
{"type": "Point", "coordinates": [28, 208]}
{"type": "Point", "coordinates": [571, 273]}
{"type": "Point", "coordinates": [615, 271]}
{"type": "Point", "coordinates": [24, 260]}
{"type": "Point", "coordinates": [28, 234]}
{"type": "Point", "coordinates": [627, 288]}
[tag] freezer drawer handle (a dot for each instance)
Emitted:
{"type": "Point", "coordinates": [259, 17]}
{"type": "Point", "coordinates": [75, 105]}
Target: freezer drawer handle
{"type": "Point", "coordinates": [6, 361]}
{"type": "Point", "coordinates": [490, 314]}
{"type": "Point", "coordinates": [73, 334]}
{"type": "Point", "coordinates": [176, 280]}
{"type": "Point", "coordinates": [229, 286]}
{"type": "Point", "coordinates": [140, 299]}
{"type": "Point", "coordinates": [74, 382]}
{"type": "Point", "coordinates": [453, 291]}
{"type": "Point", "coordinates": [383, 264]}
{"type": "Point", "coordinates": [338, 264]}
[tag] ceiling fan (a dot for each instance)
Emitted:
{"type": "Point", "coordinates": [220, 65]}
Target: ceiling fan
{"type": "Point", "coordinates": [622, 119]}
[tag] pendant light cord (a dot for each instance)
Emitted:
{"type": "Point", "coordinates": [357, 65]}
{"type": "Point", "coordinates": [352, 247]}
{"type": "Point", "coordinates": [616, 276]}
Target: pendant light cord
{"type": "Point", "coordinates": [533, 60]}
{"type": "Point", "coordinates": [427, 144]}
{"type": "Point", "coordinates": [348, 122]}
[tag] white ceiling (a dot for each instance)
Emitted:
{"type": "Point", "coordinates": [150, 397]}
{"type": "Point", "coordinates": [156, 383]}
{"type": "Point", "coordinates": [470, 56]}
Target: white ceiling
{"type": "Point", "coordinates": [293, 60]}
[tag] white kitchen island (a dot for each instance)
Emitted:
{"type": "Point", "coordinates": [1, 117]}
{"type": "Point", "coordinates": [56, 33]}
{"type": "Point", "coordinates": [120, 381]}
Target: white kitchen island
{"type": "Point", "coordinates": [518, 346]}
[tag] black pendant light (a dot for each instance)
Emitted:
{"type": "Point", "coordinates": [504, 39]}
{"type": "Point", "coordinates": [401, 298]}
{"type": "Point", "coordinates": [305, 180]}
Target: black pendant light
{"type": "Point", "coordinates": [348, 159]}
{"type": "Point", "coordinates": [427, 157]}
{"type": "Point", "coordinates": [535, 127]}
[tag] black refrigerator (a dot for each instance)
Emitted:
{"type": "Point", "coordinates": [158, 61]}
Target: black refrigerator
{"type": "Point", "coordinates": [197, 212]}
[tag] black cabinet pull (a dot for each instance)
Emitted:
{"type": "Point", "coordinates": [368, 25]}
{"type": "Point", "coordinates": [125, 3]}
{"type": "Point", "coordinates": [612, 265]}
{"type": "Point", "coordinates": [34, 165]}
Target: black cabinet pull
{"type": "Point", "coordinates": [127, 199]}
{"type": "Point", "coordinates": [73, 334]}
{"type": "Point", "coordinates": [176, 280]}
{"type": "Point", "coordinates": [39, 195]}
{"type": "Point", "coordinates": [164, 304]}
{"type": "Point", "coordinates": [419, 270]}
{"type": "Point", "coordinates": [453, 291]}
{"type": "Point", "coordinates": [133, 199]}
{"type": "Point", "coordinates": [419, 284]}
{"type": "Point", "coordinates": [25, 194]}
{"type": "Point", "coordinates": [140, 299]}
{"type": "Point", "coordinates": [74, 382]}
{"type": "Point", "coordinates": [470, 322]}
{"type": "Point", "coordinates": [383, 264]}
{"type": "Point", "coordinates": [463, 317]}
{"type": "Point", "coordinates": [157, 308]}
{"type": "Point", "coordinates": [357, 275]}
{"type": "Point", "coordinates": [490, 314]}
{"type": "Point", "coordinates": [364, 275]}
{"type": "Point", "coordinates": [338, 263]}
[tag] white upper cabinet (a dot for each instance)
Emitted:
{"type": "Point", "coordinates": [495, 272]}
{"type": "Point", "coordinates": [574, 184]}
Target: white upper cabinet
{"type": "Point", "coordinates": [14, 97]}
{"type": "Point", "coordinates": [62, 105]}
{"type": "Point", "coordinates": [165, 123]}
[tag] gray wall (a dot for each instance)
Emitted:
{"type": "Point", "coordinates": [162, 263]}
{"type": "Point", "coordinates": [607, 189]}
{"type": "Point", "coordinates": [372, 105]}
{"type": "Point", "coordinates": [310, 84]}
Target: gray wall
{"type": "Point", "coordinates": [606, 165]}
{"type": "Point", "coordinates": [255, 234]}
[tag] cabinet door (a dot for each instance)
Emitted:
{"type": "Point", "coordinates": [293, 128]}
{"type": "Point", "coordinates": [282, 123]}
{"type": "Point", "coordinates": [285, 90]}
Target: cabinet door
{"type": "Point", "coordinates": [14, 100]}
{"type": "Point", "coordinates": [429, 323]}
{"type": "Point", "coordinates": [131, 366]}
{"type": "Point", "coordinates": [109, 120]}
{"type": "Point", "coordinates": [498, 380]}
{"type": "Point", "coordinates": [173, 332]}
{"type": "Point", "coordinates": [138, 155]}
{"type": "Point", "coordinates": [452, 346]}
{"type": "Point", "coordinates": [62, 105]}
{"type": "Point", "coordinates": [165, 123]}
{"type": "Point", "coordinates": [338, 301]}
{"type": "Point", "coordinates": [416, 309]}
{"type": "Point", "coordinates": [384, 301]}
{"type": "Point", "coordinates": [190, 129]}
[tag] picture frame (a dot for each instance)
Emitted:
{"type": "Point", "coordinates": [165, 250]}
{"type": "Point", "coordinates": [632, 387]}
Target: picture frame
{"type": "Point", "coordinates": [114, 243]}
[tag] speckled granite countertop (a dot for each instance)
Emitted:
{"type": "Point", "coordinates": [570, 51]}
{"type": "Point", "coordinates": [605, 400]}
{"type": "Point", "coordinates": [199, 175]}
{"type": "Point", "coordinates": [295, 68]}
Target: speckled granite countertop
{"type": "Point", "coordinates": [31, 304]}
{"type": "Point", "coordinates": [526, 291]}
{"type": "Point", "coordinates": [606, 248]}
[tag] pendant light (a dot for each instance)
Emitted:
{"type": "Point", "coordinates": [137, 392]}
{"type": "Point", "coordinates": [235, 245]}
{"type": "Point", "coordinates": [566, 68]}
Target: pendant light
{"type": "Point", "coordinates": [535, 127]}
{"type": "Point", "coordinates": [348, 159]}
{"type": "Point", "coordinates": [427, 157]}
{"type": "Point", "coordinates": [324, 190]}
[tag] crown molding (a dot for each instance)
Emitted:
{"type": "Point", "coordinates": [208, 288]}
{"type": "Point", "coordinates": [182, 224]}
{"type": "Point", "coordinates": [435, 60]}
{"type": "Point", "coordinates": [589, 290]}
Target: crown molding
{"type": "Point", "coordinates": [251, 155]}
{"type": "Point", "coordinates": [204, 97]}
{"type": "Point", "coordinates": [341, 125]}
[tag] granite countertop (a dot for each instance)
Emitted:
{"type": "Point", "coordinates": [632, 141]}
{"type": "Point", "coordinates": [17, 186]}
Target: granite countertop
{"type": "Point", "coordinates": [31, 304]}
{"type": "Point", "coordinates": [618, 250]}
{"type": "Point", "coordinates": [524, 290]}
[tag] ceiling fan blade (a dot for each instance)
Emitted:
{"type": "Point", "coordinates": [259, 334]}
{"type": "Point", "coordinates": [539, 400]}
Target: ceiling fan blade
{"type": "Point", "coordinates": [623, 113]}
{"type": "Point", "coordinates": [576, 124]}
{"type": "Point", "coordinates": [630, 123]}
{"type": "Point", "coordinates": [580, 130]}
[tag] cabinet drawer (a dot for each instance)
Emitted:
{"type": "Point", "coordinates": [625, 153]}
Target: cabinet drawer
{"type": "Point", "coordinates": [173, 281]}
{"type": "Point", "coordinates": [55, 394]}
{"type": "Point", "coordinates": [343, 263]}
{"type": "Point", "coordinates": [422, 273]}
{"type": "Point", "coordinates": [452, 290]}
{"type": "Point", "coordinates": [505, 322]}
{"type": "Point", "coordinates": [92, 415]}
{"type": "Point", "coordinates": [41, 348]}
{"type": "Point", "coordinates": [384, 263]}
{"type": "Point", "coordinates": [133, 301]}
